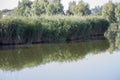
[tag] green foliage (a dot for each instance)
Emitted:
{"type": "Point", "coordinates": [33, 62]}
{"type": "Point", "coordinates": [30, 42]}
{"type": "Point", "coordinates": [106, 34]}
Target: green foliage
{"type": "Point", "coordinates": [54, 7]}
{"type": "Point", "coordinates": [38, 7]}
{"type": "Point", "coordinates": [35, 8]}
{"type": "Point", "coordinates": [83, 9]}
{"type": "Point", "coordinates": [50, 9]}
{"type": "Point", "coordinates": [72, 8]}
{"type": "Point", "coordinates": [79, 9]}
{"type": "Point", "coordinates": [24, 8]}
{"type": "Point", "coordinates": [42, 6]}
{"type": "Point", "coordinates": [108, 11]}
{"type": "Point", "coordinates": [50, 28]}
{"type": "Point", "coordinates": [59, 8]}
{"type": "Point", "coordinates": [117, 12]}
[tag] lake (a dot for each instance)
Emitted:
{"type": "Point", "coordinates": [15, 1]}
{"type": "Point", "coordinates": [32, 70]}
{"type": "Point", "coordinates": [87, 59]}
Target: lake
{"type": "Point", "coordinates": [88, 60]}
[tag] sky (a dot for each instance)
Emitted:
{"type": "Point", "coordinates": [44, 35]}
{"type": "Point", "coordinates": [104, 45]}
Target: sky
{"type": "Point", "coordinates": [10, 4]}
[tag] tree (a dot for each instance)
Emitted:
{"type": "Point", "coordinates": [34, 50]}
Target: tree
{"type": "Point", "coordinates": [58, 7]}
{"type": "Point", "coordinates": [39, 7]}
{"type": "Point", "coordinates": [83, 8]}
{"type": "Point", "coordinates": [42, 6]}
{"type": "Point", "coordinates": [24, 8]}
{"type": "Point", "coordinates": [27, 12]}
{"type": "Point", "coordinates": [80, 9]}
{"type": "Point", "coordinates": [54, 7]}
{"type": "Point", "coordinates": [108, 11]}
{"type": "Point", "coordinates": [117, 12]}
{"type": "Point", "coordinates": [72, 8]}
{"type": "Point", "coordinates": [35, 8]}
{"type": "Point", "coordinates": [50, 9]}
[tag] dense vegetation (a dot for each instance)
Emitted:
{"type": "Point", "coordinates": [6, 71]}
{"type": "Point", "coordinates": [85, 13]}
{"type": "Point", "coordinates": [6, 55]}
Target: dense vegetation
{"type": "Point", "coordinates": [50, 28]}
{"type": "Point", "coordinates": [28, 25]}
{"type": "Point", "coordinates": [50, 7]}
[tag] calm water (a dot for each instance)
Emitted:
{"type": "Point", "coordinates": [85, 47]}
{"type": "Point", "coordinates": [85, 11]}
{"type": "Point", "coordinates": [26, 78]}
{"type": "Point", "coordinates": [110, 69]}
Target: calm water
{"type": "Point", "coordinates": [89, 60]}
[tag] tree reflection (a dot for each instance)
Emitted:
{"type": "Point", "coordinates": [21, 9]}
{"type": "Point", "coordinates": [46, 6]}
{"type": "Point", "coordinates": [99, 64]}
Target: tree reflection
{"type": "Point", "coordinates": [19, 58]}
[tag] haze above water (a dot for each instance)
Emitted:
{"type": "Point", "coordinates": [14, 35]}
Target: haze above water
{"type": "Point", "coordinates": [90, 60]}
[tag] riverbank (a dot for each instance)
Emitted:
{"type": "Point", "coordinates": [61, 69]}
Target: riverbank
{"type": "Point", "coordinates": [50, 29]}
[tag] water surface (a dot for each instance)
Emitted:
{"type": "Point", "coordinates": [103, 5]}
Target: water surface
{"type": "Point", "coordinates": [89, 60]}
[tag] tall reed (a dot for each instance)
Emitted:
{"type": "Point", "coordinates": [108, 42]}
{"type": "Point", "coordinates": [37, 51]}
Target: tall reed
{"type": "Point", "coordinates": [49, 28]}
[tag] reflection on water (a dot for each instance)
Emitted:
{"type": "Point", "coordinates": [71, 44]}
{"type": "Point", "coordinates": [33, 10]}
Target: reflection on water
{"type": "Point", "coordinates": [68, 61]}
{"type": "Point", "coordinates": [16, 59]}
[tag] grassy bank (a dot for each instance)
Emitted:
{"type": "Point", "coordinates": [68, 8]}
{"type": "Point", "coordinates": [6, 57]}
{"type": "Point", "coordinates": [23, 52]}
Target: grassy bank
{"type": "Point", "coordinates": [49, 28]}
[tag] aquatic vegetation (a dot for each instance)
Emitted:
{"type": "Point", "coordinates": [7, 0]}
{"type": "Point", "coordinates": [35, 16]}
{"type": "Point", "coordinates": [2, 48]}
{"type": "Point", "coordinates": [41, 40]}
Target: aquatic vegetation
{"type": "Point", "coordinates": [17, 30]}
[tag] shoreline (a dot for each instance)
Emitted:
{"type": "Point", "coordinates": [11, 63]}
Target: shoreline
{"type": "Point", "coordinates": [68, 40]}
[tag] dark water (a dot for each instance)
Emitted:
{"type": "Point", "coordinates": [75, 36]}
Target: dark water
{"type": "Point", "coordinates": [89, 60]}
